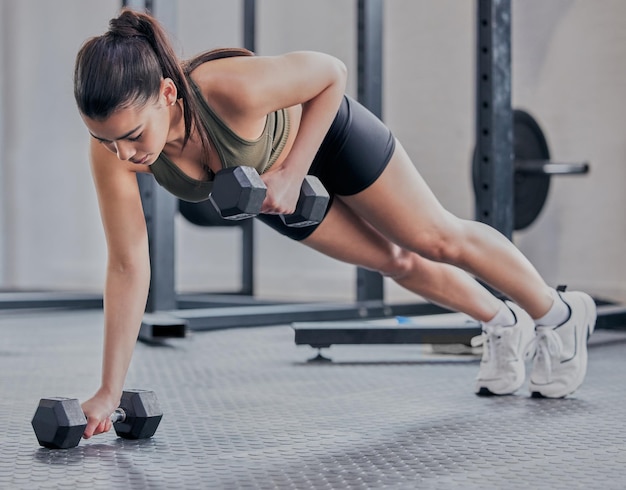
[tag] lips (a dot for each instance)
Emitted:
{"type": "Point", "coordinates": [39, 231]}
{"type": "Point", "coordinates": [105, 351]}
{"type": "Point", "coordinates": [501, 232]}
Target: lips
{"type": "Point", "coordinates": [143, 160]}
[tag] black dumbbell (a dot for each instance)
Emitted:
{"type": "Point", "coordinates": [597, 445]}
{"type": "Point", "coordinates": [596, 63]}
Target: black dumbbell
{"type": "Point", "coordinates": [59, 423]}
{"type": "Point", "coordinates": [239, 193]}
{"type": "Point", "coordinates": [311, 206]}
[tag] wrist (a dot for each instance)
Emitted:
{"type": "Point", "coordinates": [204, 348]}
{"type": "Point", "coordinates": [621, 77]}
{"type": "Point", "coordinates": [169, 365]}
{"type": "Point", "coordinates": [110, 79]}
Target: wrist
{"type": "Point", "coordinates": [109, 394]}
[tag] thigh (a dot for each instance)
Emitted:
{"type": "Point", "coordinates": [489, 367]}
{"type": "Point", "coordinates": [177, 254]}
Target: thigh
{"type": "Point", "coordinates": [344, 236]}
{"type": "Point", "coordinates": [401, 206]}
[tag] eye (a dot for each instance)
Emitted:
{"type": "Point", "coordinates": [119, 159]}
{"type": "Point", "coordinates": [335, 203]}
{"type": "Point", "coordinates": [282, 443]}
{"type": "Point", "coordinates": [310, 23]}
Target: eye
{"type": "Point", "coordinates": [136, 138]}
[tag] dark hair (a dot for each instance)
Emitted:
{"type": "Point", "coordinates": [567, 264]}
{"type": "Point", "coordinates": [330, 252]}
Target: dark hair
{"type": "Point", "coordinates": [125, 66]}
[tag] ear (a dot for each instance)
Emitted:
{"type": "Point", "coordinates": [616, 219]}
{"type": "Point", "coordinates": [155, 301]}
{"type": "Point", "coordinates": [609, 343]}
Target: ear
{"type": "Point", "coordinates": [169, 93]}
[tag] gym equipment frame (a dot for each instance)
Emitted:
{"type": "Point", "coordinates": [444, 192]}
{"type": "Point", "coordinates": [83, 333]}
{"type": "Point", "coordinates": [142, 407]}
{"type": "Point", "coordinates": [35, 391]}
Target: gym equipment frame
{"type": "Point", "coordinates": [169, 314]}
{"type": "Point", "coordinates": [499, 179]}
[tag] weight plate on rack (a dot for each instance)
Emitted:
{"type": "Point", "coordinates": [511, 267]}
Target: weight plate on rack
{"type": "Point", "coordinates": [530, 188]}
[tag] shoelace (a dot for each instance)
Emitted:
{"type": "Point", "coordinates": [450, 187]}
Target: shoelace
{"type": "Point", "coordinates": [497, 349]}
{"type": "Point", "coordinates": [479, 340]}
{"type": "Point", "coordinates": [546, 347]}
{"type": "Point", "coordinates": [491, 341]}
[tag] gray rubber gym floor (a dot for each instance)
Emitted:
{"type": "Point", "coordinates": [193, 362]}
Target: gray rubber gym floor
{"type": "Point", "coordinates": [243, 410]}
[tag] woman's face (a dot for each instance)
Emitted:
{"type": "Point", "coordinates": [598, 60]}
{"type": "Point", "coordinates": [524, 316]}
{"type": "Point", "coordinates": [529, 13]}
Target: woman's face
{"type": "Point", "coordinates": [135, 134]}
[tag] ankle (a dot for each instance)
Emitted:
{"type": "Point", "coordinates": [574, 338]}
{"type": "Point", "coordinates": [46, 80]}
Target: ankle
{"type": "Point", "coordinates": [558, 313]}
{"type": "Point", "coordinates": [504, 317]}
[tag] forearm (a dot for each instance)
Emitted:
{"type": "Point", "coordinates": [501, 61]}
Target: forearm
{"type": "Point", "coordinates": [125, 297]}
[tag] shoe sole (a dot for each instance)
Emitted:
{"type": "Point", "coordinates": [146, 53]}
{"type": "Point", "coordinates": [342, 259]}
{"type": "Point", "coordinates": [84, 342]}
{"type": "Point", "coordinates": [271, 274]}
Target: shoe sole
{"type": "Point", "coordinates": [590, 320]}
{"type": "Point", "coordinates": [485, 392]}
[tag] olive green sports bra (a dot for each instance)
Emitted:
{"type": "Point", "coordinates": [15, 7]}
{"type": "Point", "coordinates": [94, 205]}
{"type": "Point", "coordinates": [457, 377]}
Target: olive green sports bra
{"type": "Point", "coordinates": [233, 150]}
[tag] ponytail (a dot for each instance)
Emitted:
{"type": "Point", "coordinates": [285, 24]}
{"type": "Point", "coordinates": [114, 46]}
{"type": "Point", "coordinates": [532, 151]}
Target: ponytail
{"type": "Point", "coordinates": [125, 66]}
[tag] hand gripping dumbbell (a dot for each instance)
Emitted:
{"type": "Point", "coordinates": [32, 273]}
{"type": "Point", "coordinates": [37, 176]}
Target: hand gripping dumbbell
{"type": "Point", "coordinates": [311, 205]}
{"type": "Point", "coordinates": [59, 423]}
{"type": "Point", "coordinates": [238, 193]}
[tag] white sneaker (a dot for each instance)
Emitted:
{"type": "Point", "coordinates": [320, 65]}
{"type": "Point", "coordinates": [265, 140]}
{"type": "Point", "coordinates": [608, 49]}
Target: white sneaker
{"type": "Point", "coordinates": [560, 361]}
{"type": "Point", "coordinates": [502, 368]}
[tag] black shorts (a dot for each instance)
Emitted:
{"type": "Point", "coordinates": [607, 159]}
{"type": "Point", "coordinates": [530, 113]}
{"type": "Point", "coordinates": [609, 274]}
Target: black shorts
{"type": "Point", "coordinates": [355, 151]}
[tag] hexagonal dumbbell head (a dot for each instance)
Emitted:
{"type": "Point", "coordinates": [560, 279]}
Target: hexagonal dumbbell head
{"type": "Point", "coordinates": [311, 206]}
{"type": "Point", "coordinates": [59, 423]}
{"type": "Point", "coordinates": [143, 415]}
{"type": "Point", "coordinates": [238, 192]}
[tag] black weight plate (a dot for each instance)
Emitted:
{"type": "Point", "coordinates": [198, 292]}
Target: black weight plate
{"type": "Point", "coordinates": [531, 189]}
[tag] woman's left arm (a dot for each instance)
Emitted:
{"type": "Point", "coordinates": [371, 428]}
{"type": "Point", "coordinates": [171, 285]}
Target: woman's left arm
{"type": "Point", "coordinates": [317, 81]}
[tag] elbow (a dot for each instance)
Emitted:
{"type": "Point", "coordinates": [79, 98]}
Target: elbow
{"type": "Point", "coordinates": [334, 70]}
{"type": "Point", "coordinates": [340, 74]}
{"type": "Point", "coordinates": [129, 266]}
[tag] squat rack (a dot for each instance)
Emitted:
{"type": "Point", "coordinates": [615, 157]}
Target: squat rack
{"type": "Point", "coordinates": [169, 314]}
{"type": "Point", "coordinates": [494, 149]}
{"type": "Point", "coordinates": [495, 168]}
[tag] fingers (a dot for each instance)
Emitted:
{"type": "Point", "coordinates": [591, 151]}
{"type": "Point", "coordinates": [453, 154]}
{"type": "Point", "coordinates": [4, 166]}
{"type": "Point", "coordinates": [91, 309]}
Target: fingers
{"type": "Point", "coordinates": [272, 206]}
{"type": "Point", "coordinates": [92, 427]}
{"type": "Point", "coordinates": [281, 196]}
{"type": "Point", "coordinates": [98, 411]}
{"type": "Point", "coordinates": [95, 427]}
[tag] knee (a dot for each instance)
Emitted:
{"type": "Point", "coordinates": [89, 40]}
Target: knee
{"type": "Point", "coordinates": [440, 249]}
{"type": "Point", "coordinates": [444, 243]}
{"type": "Point", "coordinates": [400, 263]}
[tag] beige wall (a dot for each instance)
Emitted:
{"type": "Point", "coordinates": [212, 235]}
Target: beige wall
{"type": "Point", "coordinates": [569, 71]}
{"type": "Point", "coordinates": [51, 228]}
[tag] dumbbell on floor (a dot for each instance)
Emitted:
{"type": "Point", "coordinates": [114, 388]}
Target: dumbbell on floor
{"type": "Point", "coordinates": [239, 193]}
{"type": "Point", "coordinates": [59, 423]}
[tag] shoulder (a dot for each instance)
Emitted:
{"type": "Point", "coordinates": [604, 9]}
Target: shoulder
{"type": "Point", "coordinates": [242, 71]}
{"type": "Point", "coordinates": [245, 86]}
{"type": "Point", "coordinates": [226, 82]}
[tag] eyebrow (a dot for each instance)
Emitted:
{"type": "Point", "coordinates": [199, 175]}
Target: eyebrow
{"type": "Point", "coordinates": [119, 138]}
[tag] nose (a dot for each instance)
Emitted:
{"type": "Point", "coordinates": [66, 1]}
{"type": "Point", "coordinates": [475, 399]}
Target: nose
{"type": "Point", "coordinates": [124, 150]}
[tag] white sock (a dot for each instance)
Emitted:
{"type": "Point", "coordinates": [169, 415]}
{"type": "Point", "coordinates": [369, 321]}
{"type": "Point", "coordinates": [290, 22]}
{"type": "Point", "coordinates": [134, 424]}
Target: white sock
{"type": "Point", "coordinates": [558, 313]}
{"type": "Point", "coordinates": [504, 317]}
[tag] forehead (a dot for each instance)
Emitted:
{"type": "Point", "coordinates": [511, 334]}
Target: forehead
{"type": "Point", "coordinates": [119, 123]}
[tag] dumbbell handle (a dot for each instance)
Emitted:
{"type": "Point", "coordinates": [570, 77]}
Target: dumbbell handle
{"type": "Point", "coordinates": [118, 415]}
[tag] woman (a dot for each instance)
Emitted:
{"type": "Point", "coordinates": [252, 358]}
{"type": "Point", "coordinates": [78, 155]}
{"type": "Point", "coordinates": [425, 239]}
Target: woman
{"type": "Point", "coordinates": [288, 116]}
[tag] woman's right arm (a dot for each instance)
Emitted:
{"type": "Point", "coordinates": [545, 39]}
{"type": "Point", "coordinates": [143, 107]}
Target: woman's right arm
{"type": "Point", "coordinates": [127, 279]}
